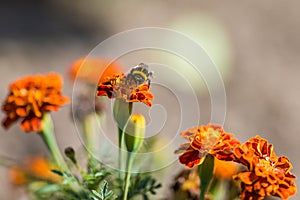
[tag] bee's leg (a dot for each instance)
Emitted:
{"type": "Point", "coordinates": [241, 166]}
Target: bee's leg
{"type": "Point", "coordinates": [148, 81]}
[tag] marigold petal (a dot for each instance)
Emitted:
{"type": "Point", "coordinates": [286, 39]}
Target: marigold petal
{"type": "Point", "coordinates": [21, 112]}
{"type": "Point", "coordinates": [191, 157]}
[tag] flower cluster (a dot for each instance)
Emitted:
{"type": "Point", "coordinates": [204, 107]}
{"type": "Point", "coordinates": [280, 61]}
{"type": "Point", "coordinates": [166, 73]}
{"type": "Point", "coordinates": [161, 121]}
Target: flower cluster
{"type": "Point", "coordinates": [226, 168]}
{"type": "Point", "coordinates": [32, 96]}
{"type": "Point", "coordinates": [118, 86]}
{"type": "Point", "coordinates": [210, 139]}
{"type": "Point", "coordinates": [267, 174]}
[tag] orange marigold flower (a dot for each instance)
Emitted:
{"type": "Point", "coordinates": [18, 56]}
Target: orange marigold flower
{"type": "Point", "coordinates": [89, 69]}
{"type": "Point", "coordinates": [111, 87]}
{"type": "Point", "coordinates": [41, 168]}
{"type": "Point", "coordinates": [17, 175]}
{"type": "Point", "coordinates": [203, 140]}
{"type": "Point", "coordinates": [118, 86]}
{"type": "Point", "coordinates": [267, 175]}
{"type": "Point", "coordinates": [32, 96]}
{"type": "Point", "coordinates": [34, 168]}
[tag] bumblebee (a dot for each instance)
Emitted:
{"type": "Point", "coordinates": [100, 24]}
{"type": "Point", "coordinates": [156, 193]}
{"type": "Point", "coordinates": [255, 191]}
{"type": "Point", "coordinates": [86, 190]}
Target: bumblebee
{"type": "Point", "coordinates": [139, 75]}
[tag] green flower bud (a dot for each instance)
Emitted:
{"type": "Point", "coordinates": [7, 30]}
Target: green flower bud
{"type": "Point", "coordinates": [135, 132]}
{"type": "Point", "coordinates": [70, 153]}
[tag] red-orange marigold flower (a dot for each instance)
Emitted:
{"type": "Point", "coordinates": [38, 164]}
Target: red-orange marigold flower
{"type": "Point", "coordinates": [203, 140]}
{"type": "Point", "coordinates": [32, 96]}
{"type": "Point", "coordinates": [267, 175]}
{"type": "Point", "coordinates": [118, 86]}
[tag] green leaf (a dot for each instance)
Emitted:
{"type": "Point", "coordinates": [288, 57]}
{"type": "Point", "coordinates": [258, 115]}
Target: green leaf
{"type": "Point", "coordinates": [205, 171]}
{"type": "Point", "coordinates": [49, 189]}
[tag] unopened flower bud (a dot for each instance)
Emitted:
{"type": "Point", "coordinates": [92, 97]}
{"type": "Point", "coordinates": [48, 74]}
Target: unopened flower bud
{"type": "Point", "coordinates": [135, 132]}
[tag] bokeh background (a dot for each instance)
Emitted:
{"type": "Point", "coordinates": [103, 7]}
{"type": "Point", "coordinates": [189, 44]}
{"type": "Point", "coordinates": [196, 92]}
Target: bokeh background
{"type": "Point", "coordinates": [255, 44]}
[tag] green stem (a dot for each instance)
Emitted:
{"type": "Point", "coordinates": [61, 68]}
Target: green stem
{"type": "Point", "coordinates": [130, 159]}
{"type": "Point", "coordinates": [90, 134]}
{"type": "Point", "coordinates": [49, 138]}
{"type": "Point", "coordinates": [121, 139]}
{"type": "Point", "coordinates": [120, 132]}
{"type": "Point", "coordinates": [121, 112]}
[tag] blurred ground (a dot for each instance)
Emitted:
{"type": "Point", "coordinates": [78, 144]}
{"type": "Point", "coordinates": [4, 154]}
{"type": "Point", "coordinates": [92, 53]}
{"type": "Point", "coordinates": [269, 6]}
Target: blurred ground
{"type": "Point", "coordinates": [262, 87]}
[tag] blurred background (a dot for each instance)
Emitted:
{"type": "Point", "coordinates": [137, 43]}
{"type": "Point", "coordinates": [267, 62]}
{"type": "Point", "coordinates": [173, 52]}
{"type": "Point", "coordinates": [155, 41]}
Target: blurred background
{"type": "Point", "coordinates": [255, 44]}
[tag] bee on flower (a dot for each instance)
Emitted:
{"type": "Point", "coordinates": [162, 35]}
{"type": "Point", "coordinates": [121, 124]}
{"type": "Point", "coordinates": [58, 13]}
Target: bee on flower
{"type": "Point", "coordinates": [131, 87]}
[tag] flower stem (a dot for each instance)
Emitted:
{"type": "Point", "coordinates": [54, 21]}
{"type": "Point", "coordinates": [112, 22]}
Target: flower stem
{"type": "Point", "coordinates": [130, 159]}
{"type": "Point", "coordinates": [121, 112]}
{"type": "Point", "coordinates": [90, 134]}
{"type": "Point", "coordinates": [49, 138]}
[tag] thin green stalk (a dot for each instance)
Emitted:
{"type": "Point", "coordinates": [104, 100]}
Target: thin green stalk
{"type": "Point", "coordinates": [121, 112]}
{"type": "Point", "coordinates": [135, 132]}
{"type": "Point", "coordinates": [90, 134]}
{"type": "Point", "coordinates": [120, 132]}
{"type": "Point", "coordinates": [49, 138]}
{"type": "Point", "coordinates": [130, 159]}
